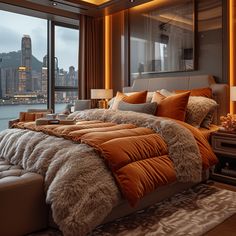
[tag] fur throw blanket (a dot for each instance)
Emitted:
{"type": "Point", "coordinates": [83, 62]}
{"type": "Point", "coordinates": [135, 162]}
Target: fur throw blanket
{"type": "Point", "coordinates": [78, 184]}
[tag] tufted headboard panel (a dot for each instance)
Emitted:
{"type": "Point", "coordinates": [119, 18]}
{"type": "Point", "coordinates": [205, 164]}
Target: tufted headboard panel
{"type": "Point", "coordinates": [220, 91]}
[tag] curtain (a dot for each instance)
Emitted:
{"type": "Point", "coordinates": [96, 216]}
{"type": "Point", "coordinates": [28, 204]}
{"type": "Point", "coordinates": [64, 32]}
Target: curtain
{"type": "Point", "coordinates": [91, 56]}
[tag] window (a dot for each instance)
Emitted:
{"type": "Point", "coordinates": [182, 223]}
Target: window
{"type": "Point", "coordinates": [66, 66]}
{"type": "Point", "coordinates": [24, 67]}
{"type": "Point", "coordinates": [23, 44]}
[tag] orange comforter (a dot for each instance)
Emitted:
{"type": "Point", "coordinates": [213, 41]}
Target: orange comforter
{"type": "Point", "coordinates": [137, 156]}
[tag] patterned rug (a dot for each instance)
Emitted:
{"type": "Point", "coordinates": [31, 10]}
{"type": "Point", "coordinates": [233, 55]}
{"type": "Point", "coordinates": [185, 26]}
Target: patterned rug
{"type": "Point", "coordinates": [192, 212]}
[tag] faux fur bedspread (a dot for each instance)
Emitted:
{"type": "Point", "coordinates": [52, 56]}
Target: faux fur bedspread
{"type": "Point", "coordinates": [79, 187]}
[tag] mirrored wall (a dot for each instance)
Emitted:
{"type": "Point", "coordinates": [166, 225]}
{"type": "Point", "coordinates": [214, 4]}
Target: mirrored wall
{"type": "Point", "coordinates": [162, 37]}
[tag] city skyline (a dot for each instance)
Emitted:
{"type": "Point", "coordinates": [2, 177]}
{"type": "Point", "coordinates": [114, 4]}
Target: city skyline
{"type": "Point", "coordinates": [21, 83]}
{"type": "Point", "coordinates": [19, 25]}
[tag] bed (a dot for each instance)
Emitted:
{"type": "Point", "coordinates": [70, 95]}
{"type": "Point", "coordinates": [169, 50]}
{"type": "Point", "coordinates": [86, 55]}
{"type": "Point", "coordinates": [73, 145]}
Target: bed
{"type": "Point", "coordinates": [74, 172]}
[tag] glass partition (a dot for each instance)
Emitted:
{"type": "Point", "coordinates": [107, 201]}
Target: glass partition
{"type": "Point", "coordinates": [162, 37]}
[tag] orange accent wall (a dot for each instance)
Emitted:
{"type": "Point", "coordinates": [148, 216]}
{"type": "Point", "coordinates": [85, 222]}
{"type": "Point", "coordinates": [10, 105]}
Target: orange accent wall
{"type": "Point", "coordinates": [232, 49]}
{"type": "Point", "coordinates": [107, 52]}
{"type": "Point", "coordinates": [114, 51]}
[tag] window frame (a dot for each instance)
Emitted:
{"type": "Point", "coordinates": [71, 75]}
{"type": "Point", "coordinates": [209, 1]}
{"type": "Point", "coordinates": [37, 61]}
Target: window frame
{"type": "Point", "coordinates": [52, 88]}
{"type": "Point", "coordinates": [52, 21]}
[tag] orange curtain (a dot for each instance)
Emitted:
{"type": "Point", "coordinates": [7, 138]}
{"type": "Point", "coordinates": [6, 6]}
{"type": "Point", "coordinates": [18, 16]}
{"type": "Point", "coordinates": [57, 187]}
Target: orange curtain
{"type": "Point", "coordinates": [91, 56]}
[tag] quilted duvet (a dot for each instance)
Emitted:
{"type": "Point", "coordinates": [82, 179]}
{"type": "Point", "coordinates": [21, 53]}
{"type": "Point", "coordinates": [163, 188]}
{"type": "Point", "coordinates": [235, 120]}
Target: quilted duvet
{"type": "Point", "coordinates": [141, 152]}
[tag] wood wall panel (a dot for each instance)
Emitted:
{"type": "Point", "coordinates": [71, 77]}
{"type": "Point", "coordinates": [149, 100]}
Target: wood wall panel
{"type": "Point", "coordinates": [41, 8]}
{"type": "Point", "coordinates": [117, 51]}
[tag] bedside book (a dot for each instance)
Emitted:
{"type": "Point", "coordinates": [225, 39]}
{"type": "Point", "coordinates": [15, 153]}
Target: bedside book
{"type": "Point", "coordinates": [43, 121]}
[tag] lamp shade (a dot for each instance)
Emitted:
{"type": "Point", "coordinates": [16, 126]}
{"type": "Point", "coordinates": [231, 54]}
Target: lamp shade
{"type": "Point", "coordinates": [101, 93]}
{"type": "Point", "coordinates": [233, 93]}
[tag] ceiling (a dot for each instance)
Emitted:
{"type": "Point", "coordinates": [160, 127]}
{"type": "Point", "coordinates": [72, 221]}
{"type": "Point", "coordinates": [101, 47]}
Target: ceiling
{"type": "Point", "coordinates": [95, 2]}
{"type": "Point", "coordinates": [90, 7]}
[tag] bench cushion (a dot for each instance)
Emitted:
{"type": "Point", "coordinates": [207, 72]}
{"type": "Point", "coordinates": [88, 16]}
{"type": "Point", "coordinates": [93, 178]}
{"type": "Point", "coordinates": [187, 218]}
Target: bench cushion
{"type": "Point", "coordinates": [22, 201]}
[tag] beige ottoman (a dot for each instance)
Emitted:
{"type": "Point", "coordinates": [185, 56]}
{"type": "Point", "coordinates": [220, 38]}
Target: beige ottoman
{"type": "Point", "coordinates": [22, 201]}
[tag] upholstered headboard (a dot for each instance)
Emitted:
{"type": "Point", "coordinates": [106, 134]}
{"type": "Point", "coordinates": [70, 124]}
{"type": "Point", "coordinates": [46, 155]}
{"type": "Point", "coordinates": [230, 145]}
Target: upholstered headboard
{"type": "Point", "coordinates": [220, 91]}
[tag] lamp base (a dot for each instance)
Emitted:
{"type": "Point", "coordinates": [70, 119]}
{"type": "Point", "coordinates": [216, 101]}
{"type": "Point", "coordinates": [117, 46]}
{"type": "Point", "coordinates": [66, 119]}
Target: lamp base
{"type": "Point", "coordinates": [102, 104]}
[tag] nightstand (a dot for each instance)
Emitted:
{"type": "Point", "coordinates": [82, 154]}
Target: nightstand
{"type": "Point", "coordinates": [224, 146]}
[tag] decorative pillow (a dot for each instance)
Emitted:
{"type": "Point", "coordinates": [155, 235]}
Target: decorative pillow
{"type": "Point", "coordinates": [82, 105]}
{"type": "Point", "coordinates": [173, 106]}
{"type": "Point", "coordinates": [72, 115]}
{"type": "Point", "coordinates": [148, 108]}
{"type": "Point", "coordinates": [208, 120]}
{"type": "Point", "coordinates": [166, 92]}
{"type": "Point", "coordinates": [30, 116]}
{"type": "Point", "coordinates": [136, 98]}
{"type": "Point", "coordinates": [148, 99]}
{"type": "Point", "coordinates": [204, 92]}
{"type": "Point", "coordinates": [198, 109]}
{"type": "Point", "coordinates": [149, 96]}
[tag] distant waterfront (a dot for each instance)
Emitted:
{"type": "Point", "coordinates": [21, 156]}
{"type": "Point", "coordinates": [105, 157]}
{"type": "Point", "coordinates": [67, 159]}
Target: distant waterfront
{"type": "Point", "coordinates": [9, 112]}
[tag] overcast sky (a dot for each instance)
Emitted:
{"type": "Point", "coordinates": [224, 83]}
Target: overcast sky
{"type": "Point", "coordinates": [14, 26]}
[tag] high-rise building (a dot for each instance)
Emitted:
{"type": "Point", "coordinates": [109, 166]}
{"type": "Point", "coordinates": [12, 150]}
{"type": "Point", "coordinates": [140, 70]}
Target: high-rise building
{"type": "Point", "coordinates": [8, 82]}
{"type": "Point", "coordinates": [22, 79]}
{"type": "Point", "coordinates": [62, 81]}
{"type": "Point", "coordinates": [11, 76]}
{"type": "Point", "coordinates": [56, 71]}
{"type": "Point", "coordinates": [1, 84]}
{"type": "Point", "coordinates": [71, 77]}
{"type": "Point", "coordinates": [44, 80]}
{"type": "Point", "coordinates": [45, 61]}
{"type": "Point", "coordinates": [26, 60]}
{"type": "Point", "coordinates": [36, 81]}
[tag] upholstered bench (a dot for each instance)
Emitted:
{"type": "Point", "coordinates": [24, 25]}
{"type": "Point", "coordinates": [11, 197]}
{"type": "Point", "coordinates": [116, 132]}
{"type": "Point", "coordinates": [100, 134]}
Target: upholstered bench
{"type": "Point", "coordinates": [22, 201]}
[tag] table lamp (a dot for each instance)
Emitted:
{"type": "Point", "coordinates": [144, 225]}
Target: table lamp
{"type": "Point", "coordinates": [233, 93]}
{"type": "Point", "coordinates": [103, 95]}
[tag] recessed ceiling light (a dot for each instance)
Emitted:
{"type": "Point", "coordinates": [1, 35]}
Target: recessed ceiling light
{"type": "Point", "coordinates": [132, 0]}
{"type": "Point", "coordinates": [54, 3]}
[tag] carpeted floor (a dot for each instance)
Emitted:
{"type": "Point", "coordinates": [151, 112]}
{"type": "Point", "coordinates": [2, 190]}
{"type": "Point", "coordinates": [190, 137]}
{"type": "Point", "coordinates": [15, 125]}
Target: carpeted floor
{"type": "Point", "coordinates": [192, 212]}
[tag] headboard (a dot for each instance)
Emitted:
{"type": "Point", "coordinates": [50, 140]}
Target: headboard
{"type": "Point", "coordinates": [220, 91]}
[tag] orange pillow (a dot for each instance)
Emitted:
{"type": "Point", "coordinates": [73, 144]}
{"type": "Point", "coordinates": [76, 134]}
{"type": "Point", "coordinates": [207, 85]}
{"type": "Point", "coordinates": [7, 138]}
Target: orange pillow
{"type": "Point", "coordinates": [204, 92]}
{"type": "Point", "coordinates": [136, 98]}
{"type": "Point", "coordinates": [173, 106]}
{"type": "Point", "coordinates": [30, 116]}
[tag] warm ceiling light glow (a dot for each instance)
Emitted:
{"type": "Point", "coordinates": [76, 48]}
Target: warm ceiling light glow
{"type": "Point", "coordinates": [148, 5]}
{"type": "Point", "coordinates": [96, 2]}
{"type": "Point", "coordinates": [54, 3]}
{"type": "Point", "coordinates": [169, 18]}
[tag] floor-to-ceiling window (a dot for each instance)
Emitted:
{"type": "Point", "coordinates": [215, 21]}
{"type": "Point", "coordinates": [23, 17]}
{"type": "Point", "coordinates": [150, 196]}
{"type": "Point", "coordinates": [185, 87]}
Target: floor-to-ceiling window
{"type": "Point", "coordinates": [24, 67]}
{"type": "Point", "coordinates": [66, 65]}
{"type": "Point", "coordinates": [23, 84]}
